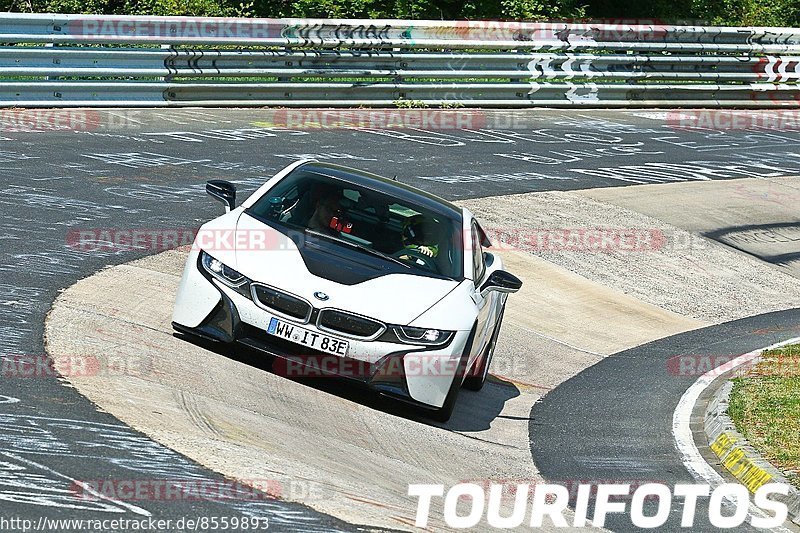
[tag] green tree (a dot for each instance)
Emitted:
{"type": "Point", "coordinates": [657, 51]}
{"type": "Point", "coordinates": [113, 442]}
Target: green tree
{"type": "Point", "coordinates": [541, 9]}
{"type": "Point", "coordinates": [721, 12]}
{"type": "Point", "coordinates": [748, 12]}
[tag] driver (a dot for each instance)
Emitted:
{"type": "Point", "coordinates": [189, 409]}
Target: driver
{"type": "Point", "coordinates": [414, 238]}
{"type": "Point", "coordinates": [326, 199]}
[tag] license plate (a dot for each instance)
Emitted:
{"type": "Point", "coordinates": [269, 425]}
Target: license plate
{"type": "Point", "coordinates": [306, 337]}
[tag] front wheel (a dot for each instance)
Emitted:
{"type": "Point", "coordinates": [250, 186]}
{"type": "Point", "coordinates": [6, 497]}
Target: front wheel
{"type": "Point", "coordinates": [443, 413]}
{"type": "Point", "coordinates": [477, 376]}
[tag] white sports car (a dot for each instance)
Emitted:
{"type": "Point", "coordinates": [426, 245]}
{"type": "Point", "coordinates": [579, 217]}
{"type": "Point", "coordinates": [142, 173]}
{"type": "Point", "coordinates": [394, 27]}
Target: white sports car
{"type": "Point", "coordinates": [340, 272]}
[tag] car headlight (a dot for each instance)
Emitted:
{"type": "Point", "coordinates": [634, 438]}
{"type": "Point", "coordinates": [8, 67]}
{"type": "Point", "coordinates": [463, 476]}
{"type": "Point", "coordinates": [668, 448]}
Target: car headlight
{"type": "Point", "coordinates": [221, 271]}
{"type": "Point", "coordinates": [426, 336]}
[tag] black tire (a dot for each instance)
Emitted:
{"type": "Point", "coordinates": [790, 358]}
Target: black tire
{"type": "Point", "coordinates": [443, 413]}
{"type": "Point", "coordinates": [477, 378]}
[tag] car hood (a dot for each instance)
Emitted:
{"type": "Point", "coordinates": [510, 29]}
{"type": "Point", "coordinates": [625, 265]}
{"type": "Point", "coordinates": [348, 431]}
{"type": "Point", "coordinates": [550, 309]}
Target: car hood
{"type": "Point", "coordinates": [395, 298]}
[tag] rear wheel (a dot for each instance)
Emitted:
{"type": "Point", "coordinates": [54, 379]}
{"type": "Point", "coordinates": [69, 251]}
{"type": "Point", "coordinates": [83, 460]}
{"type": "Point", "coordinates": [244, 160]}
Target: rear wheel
{"type": "Point", "coordinates": [477, 376]}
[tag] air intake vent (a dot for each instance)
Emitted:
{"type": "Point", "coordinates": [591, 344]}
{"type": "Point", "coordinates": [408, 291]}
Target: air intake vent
{"type": "Point", "coordinates": [281, 302]}
{"type": "Point", "coordinates": [349, 324]}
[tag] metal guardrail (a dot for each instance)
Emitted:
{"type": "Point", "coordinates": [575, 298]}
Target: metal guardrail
{"type": "Point", "coordinates": [84, 60]}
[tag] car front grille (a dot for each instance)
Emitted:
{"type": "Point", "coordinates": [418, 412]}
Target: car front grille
{"type": "Point", "coordinates": [282, 302]}
{"type": "Point", "coordinates": [337, 321]}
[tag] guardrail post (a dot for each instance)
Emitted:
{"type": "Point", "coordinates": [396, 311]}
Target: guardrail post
{"type": "Point", "coordinates": [56, 61]}
{"type": "Point", "coordinates": [164, 47]}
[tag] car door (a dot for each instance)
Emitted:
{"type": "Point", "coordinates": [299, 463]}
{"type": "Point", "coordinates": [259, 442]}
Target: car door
{"type": "Point", "coordinates": [485, 304]}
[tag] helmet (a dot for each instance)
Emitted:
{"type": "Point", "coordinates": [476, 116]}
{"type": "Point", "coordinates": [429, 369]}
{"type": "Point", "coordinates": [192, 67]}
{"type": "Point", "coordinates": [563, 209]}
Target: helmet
{"type": "Point", "coordinates": [413, 229]}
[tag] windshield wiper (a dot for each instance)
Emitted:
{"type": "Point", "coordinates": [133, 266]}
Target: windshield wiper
{"type": "Point", "coordinates": [378, 254]}
{"type": "Point", "coordinates": [359, 247]}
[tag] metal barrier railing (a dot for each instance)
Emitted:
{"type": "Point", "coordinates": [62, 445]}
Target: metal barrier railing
{"type": "Point", "coordinates": [85, 60]}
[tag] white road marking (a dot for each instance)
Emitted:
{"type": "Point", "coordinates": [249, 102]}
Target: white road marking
{"type": "Point", "coordinates": [87, 488]}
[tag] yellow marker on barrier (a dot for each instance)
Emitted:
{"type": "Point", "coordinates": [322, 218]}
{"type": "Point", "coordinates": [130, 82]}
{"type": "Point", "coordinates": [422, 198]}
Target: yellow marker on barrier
{"type": "Point", "coordinates": [722, 444]}
{"type": "Point", "coordinates": [735, 460]}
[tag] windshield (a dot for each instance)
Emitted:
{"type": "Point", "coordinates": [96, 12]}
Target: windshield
{"type": "Point", "coordinates": [362, 218]}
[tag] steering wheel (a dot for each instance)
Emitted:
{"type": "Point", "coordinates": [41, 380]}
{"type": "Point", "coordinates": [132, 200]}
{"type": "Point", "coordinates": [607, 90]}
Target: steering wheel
{"type": "Point", "coordinates": [417, 258]}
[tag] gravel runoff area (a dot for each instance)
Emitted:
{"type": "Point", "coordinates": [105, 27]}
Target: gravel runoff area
{"type": "Point", "coordinates": [676, 270]}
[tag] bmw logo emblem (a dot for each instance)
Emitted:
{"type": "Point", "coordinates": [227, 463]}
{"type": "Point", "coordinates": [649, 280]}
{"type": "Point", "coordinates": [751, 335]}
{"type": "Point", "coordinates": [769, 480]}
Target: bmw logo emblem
{"type": "Point", "coordinates": [319, 295]}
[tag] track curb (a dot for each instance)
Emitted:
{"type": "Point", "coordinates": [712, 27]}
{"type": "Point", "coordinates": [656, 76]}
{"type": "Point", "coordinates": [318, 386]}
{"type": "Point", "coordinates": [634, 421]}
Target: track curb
{"type": "Point", "coordinates": [737, 456]}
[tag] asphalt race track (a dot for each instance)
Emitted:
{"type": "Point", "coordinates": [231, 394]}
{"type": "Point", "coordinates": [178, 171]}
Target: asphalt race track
{"type": "Point", "coordinates": [147, 169]}
{"type": "Point", "coordinates": [622, 432]}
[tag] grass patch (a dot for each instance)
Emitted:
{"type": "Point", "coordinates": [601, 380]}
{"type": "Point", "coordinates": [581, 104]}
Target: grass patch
{"type": "Point", "coordinates": [765, 406]}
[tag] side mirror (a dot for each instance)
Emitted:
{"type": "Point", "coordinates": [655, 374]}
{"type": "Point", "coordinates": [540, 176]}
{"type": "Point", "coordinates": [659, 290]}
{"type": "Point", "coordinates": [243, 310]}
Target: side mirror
{"type": "Point", "coordinates": [501, 281]}
{"type": "Point", "coordinates": [224, 191]}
